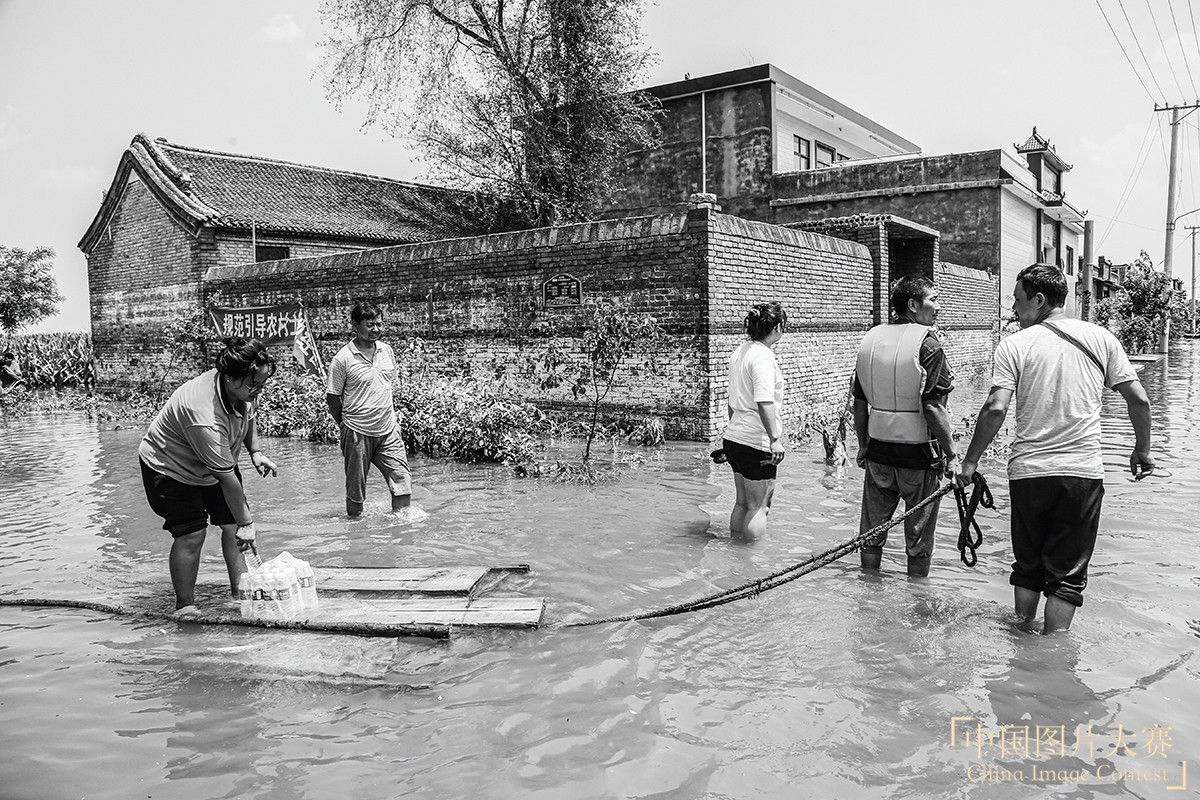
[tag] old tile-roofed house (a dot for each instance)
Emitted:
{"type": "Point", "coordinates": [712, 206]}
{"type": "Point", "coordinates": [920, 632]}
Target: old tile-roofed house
{"type": "Point", "coordinates": [173, 211]}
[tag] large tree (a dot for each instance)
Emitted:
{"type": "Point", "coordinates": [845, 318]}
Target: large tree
{"type": "Point", "coordinates": [531, 100]}
{"type": "Point", "coordinates": [1138, 311]}
{"type": "Point", "coordinates": [28, 293]}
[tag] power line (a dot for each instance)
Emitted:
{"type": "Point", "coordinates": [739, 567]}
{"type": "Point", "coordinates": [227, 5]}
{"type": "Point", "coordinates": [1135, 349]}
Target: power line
{"type": "Point", "coordinates": [1138, 42]}
{"type": "Point", "coordinates": [1195, 33]}
{"type": "Point", "coordinates": [1163, 42]}
{"type": "Point", "coordinates": [1179, 39]}
{"type": "Point", "coordinates": [1139, 163]}
{"type": "Point", "coordinates": [1136, 74]}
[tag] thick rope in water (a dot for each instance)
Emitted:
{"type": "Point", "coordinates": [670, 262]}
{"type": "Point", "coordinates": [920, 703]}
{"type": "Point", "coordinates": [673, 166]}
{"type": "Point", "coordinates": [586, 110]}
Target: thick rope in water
{"type": "Point", "coordinates": [786, 575]}
{"type": "Point", "coordinates": [355, 628]}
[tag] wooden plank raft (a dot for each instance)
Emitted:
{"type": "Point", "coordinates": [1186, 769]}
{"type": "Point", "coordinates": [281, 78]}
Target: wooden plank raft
{"type": "Point", "coordinates": [437, 597]}
{"type": "Point", "coordinates": [479, 612]}
{"type": "Point", "coordinates": [432, 581]}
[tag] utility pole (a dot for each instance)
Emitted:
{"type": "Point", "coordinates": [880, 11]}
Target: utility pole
{"type": "Point", "coordinates": [1192, 297]}
{"type": "Point", "coordinates": [1164, 340]}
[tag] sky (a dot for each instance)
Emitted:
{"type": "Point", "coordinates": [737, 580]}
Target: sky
{"type": "Point", "coordinates": [79, 78]}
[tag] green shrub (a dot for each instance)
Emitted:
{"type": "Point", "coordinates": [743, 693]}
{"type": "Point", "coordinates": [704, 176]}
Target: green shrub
{"type": "Point", "coordinates": [293, 404]}
{"type": "Point", "coordinates": [458, 418]}
{"type": "Point", "coordinates": [463, 418]}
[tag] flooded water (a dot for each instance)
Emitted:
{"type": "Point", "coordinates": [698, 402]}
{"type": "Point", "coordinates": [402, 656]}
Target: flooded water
{"type": "Point", "coordinates": [837, 685]}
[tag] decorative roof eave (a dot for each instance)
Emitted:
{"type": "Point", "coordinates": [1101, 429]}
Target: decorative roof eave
{"type": "Point", "coordinates": [1036, 143]}
{"type": "Point", "coordinates": [1056, 207]}
{"type": "Point", "coordinates": [168, 184]}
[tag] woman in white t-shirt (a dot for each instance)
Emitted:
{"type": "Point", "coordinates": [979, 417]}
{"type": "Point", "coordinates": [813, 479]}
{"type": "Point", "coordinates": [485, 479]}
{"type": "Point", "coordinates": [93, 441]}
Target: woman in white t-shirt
{"type": "Point", "coordinates": [753, 442]}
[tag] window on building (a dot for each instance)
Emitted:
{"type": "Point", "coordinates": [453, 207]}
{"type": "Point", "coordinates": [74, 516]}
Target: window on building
{"type": "Point", "coordinates": [1070, 260]}
{"type": "Point", "coordinates": [271, 252]}
{"type": "Point", "coordinates": [1051, 179]}
{"type": "Point", "coordinates": [825, 155]}
{"type": "Point", "coordinates": [802, 153]}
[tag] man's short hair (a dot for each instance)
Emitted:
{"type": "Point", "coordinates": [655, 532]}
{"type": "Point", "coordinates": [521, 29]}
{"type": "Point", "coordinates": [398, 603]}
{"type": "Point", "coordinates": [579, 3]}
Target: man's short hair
{"type": "Point", "coordinates": [365, 311]}
{"type": "Point", "coordinates": [1047, 280]}
{"type": "Point", "coordinates": [910, 287]}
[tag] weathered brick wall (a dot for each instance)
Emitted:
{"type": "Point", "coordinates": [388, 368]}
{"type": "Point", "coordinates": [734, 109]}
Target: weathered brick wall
{"type": "Point", "coordinates": [825, 286]}
{"type": "Point", "coordinates": [143, 273]}
{"type": "Point", "coordinates": [968, 220]}
{"type": "Point", "coordinates": [475, 303]}
{"type": "Point", "coordinates": [968, 300]}
{"type": "Point", "coordinates": [957, 194]}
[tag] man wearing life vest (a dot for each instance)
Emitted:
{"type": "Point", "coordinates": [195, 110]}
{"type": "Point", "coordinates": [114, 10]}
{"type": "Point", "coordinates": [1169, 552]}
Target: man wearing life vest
{"type": "Point", "coordinates": [901, 383]}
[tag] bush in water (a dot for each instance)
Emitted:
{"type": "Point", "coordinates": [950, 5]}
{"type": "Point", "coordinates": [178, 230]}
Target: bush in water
{"type": "Point", "coordinates": [464, 419]}
{"type": "Point", "coordinates": [458, 418]}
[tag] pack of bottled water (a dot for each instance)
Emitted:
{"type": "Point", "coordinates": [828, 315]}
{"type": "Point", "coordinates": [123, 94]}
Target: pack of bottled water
{"type": "Point", "coordinates": [285, 588]}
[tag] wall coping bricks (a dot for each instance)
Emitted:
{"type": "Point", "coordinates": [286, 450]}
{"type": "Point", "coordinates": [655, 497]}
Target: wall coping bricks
{"type": "Point", "coordinates": [549, 237]}
{"type": "Point", "coordinates": [764, 231]}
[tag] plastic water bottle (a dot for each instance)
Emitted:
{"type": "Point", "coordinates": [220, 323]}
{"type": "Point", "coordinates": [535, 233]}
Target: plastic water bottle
{"type": "Point", "coordinates": [283, 598]}
{"type": "Point", "coordinates": [308, 585]}
{"type": "Point", "coordinates": [288, 566]}
{"type": "Point", "coordinates": [261, 606]}
{"type": "Point", "coordinates": [243, 594]}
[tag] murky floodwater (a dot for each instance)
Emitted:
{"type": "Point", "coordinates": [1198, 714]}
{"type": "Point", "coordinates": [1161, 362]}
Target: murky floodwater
{"type": "Point", "coordinates": [834, 686]}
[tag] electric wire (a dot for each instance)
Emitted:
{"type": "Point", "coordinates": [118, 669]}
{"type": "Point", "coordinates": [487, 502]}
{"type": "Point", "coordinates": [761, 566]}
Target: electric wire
{"type": "Point", "coordinates": [1136, 74]}
{"type": "Point", "coordinates": [1138, 42]}
{"type": "Point", "coordinates": [1182, 52]}
{"type": "Point", "coordinates": [1163, 43]}
{"type": "Point", "coordinates": [1139, 163]}
{"type": "Point", "coordinates": [1195, 33]}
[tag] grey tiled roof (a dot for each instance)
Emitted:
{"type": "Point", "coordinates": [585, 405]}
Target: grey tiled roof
{"type": "Point", "coordinates": [226, 190]}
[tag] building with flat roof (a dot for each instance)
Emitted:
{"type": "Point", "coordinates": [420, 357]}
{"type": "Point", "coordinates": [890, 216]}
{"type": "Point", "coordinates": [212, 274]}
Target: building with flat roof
{"type": "Point", "coordinates": [726, 134]}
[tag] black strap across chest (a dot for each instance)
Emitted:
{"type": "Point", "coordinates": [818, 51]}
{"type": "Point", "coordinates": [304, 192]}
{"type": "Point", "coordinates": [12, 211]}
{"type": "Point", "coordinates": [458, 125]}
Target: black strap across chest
{"type": "Point", "coordinates": [1082, 347]}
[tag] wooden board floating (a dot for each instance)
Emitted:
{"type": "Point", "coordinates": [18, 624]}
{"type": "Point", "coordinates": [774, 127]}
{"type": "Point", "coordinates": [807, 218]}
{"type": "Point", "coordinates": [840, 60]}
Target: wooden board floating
{"type": "Point", "coordinates": [434, 581]}
{"type": "Point", "coordinates": [356, 600]}
{"type": "Point", "coordinates": [430, 581]}
{"type": "Point", "coordinates": [482, 612]}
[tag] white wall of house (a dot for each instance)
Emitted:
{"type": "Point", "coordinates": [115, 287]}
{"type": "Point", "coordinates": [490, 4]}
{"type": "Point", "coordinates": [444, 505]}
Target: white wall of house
{"type": "Point", "coordinates": [796, 115]}
{"type": "Point", "coordinates": [1072, 249]}
{"type": "Point", "coordinates": [1019, 242]}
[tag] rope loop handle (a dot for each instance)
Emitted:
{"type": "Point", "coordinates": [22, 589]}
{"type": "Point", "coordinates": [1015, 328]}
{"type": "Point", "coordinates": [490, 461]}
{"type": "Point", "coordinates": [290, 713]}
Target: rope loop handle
{"type": "Point", "coordinates": [970, 537]}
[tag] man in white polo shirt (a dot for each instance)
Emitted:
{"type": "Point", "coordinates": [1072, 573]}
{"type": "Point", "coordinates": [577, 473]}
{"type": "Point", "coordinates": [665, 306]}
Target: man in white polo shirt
{"type": "Point", "coordinates": [1056, 368]}
{"type": "Point", "coordinates": [360, 397]}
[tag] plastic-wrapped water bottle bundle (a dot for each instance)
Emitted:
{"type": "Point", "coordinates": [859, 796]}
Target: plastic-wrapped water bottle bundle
{"type": "Point", "coordinates": [285, 587]}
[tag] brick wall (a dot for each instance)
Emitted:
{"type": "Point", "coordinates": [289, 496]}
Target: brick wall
{"type": "Point", "coordinates": [143, 273]}
{"type": "Point", "coordinates": [968, 316]}
{"type": "Point", "coordinates": [238, 248]}
{"type": "Point", "coordinates": [968, 220]}
{"type": "Point", "coordinates": [824, 285]}
{"type": "Point", "coordinates": [474, 303]}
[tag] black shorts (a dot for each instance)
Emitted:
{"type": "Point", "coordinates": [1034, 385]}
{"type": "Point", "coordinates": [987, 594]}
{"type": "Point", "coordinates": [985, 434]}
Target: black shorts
{"type": "Point", "coordinates": [1054, 524]}
{"type": "Point", "coordinates": [186, 508]}
{"type": "Point", "coordinates": [747, 461]}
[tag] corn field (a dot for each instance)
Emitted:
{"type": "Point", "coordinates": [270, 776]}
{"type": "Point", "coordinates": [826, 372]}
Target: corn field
{"type": "Point", "coordinates": [54, 360]}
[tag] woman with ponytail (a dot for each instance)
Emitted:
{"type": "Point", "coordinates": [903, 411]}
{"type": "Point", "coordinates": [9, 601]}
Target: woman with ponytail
{"type": "Point", "coordinates": [753, 442]}
{"type": "Point", "coordinates": [189, 461]}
